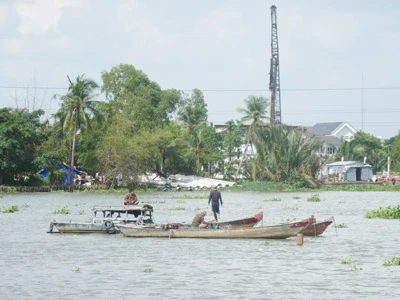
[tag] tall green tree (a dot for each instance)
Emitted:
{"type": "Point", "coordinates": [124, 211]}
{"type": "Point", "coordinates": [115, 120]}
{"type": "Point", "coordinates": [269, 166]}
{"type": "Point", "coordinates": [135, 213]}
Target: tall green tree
{"type": "Point", "coordinates": [138, 109]}
{"type": "Point", "coordinates": [21, 134]}
{"type": "Point", "coordinates": [77, 108]}
{"type": "Point", "coordinates": [255, 114]}
{"type": "Point", "coordinates": [159, 153]}
{"type": "Point", "coordinates": [193, 110]}
{"type": "Point", "coordinates": [138, 100]}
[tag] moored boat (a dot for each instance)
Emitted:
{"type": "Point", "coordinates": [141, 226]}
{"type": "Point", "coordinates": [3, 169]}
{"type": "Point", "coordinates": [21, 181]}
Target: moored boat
{"type": "Point", "coordinates": [105, 218]}
{"type": "Point", "coordinates": [280, 231]}
{"type": "Point", "coordinates": [316, 228]}
{"type": "Point", "coordinates": [245, 222]}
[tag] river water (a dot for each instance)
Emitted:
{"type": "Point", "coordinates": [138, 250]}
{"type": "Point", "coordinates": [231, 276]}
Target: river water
{"type": "Point", "coordinates": [37, 265]}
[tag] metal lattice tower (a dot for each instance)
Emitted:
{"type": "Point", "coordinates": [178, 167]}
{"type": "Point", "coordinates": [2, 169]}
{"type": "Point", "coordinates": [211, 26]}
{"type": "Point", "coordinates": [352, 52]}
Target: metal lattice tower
{"type": "Point", "coordinates": [274, 77]}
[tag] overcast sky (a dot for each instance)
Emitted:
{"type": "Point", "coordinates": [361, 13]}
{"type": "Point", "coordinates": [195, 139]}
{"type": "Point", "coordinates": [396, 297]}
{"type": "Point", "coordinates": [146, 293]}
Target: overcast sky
{"type": "Point", "coordinates": [339, 60]}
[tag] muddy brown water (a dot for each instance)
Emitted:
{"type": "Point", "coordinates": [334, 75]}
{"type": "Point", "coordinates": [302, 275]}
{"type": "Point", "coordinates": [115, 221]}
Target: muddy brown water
{"type": "Point", "coordinates": [37, 265]}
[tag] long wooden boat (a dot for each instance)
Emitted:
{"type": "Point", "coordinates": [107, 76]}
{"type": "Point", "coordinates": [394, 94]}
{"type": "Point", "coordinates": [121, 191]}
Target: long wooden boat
{"type": "Point", "coordinates": [105, 218]}
{"type": "Point", "coordinates": [280, 231]}
{"type": "Point", "coordinates": [316, 228]}
{"type": "Point", "coordinates": [245, 222]}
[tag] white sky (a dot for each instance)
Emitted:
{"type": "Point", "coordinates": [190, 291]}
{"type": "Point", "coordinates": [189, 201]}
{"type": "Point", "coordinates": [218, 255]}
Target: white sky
{"type": "Point", "coordinates": [339, 60]}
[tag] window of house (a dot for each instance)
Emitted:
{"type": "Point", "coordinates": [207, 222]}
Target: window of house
{"type": "Point", "coordinates": [331, 150]}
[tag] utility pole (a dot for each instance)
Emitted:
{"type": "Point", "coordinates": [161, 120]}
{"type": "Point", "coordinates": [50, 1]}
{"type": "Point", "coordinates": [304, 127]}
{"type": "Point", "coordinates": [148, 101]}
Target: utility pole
{"type": "Point", "coordinates": [274, 76]}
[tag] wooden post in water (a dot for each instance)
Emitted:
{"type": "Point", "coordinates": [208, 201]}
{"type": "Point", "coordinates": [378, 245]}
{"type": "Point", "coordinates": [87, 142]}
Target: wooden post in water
{"type": "Point", "coordinates": [300, 237]}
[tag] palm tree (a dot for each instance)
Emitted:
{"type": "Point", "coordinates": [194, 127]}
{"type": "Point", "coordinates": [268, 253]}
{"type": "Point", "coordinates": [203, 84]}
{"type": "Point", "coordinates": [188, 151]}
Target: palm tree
{"type": "Point", "coordinates": [256, 113]}
{"type": "Point", "coordinates": [76, 110]}
{"type": "Point", "coordinates": [287, 155]}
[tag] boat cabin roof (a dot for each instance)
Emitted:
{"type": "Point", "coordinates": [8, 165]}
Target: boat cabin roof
{"type": "Point", "coordinates": [123, 209]}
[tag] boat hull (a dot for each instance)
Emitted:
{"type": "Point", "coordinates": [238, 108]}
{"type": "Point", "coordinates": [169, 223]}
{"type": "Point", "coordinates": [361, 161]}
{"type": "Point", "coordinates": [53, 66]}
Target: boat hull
{"type": "Point", "coordinates": [247, 222]}
{"type": "Point", "coordinates": [316, 228]}
{"type": "Point", "coordinates": [83, 228]}
{"type": "Point", "coordinates": [281, 231]}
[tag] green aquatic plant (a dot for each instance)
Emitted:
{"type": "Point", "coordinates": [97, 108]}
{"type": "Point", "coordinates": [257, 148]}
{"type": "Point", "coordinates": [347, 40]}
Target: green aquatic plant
{"type": "Point", "coordinates": [293, 207]}
{"type": "Point", "coordinates": [395, 261]}
{"type": "Point", "coordinates": [354, 268]}
{"type": "Point", "coordinates": [390, 212]}
{"type": "Point", "coordinates": [62, 211]}
{"type": "Point", "coordinates": [148, 270]}
{"type": "Point", "coordinates": [346, 260]}
{"type": "Point", "coordinates": [76, 269]}
{"type": "Point", "coordinates": [81, 212]}
{"type": "Point", "coordinates": [178, 208]}
{"type": "Point", "coordinates": [341, 225]}
{"type": "Point", "coordinates": [186, 196]}
{"type": "Point", "coordinates": [11, 209]}
{"type": "Point", "coordinates": [349, 261]}
{"type": "Point", "coordinates": [296, 197]}
{"type": "Point", "coordinates": [273, 200]}
{"type": "Point", "coordinates": [314, 198]}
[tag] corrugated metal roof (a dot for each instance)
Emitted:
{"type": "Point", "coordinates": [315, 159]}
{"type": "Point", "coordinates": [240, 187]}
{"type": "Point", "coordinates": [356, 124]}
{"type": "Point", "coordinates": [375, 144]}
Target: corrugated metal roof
{"type": "Point", "coordinates": [348, 164]}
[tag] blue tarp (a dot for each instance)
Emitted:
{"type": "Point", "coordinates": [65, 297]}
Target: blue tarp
{"type": "Point", "coordinates": [44, 173]}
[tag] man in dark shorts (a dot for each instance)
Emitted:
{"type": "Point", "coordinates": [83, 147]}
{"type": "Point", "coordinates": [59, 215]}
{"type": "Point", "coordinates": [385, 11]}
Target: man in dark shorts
{"type": "Point", "coordinates": [215, 198]}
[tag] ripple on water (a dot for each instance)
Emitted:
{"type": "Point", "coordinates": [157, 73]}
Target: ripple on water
{"type": "Point", "coordinates": [37, 265]}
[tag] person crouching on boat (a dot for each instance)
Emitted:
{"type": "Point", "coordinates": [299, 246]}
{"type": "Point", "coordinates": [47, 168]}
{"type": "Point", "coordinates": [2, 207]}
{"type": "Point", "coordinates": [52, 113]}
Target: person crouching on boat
{"type": "Point", "coordinates": [131, 198]}
{"type": "Point", "coordinates": [199, 222]}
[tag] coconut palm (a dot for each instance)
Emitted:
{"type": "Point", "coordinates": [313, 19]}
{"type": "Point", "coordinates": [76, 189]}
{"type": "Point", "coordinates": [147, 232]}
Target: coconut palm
{"type": "Point", "coordinates": [255, 113]}
{"type": "Point", "coordinates": [287, 155]}
{"type": "Point", "coordinates": [76, 109]}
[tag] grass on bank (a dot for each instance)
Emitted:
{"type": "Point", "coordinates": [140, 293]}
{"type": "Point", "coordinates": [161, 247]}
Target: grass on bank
{"type": "Point", "coordinates": [245, 186]}
{"type": "Point", "coordinates": [283, 187]}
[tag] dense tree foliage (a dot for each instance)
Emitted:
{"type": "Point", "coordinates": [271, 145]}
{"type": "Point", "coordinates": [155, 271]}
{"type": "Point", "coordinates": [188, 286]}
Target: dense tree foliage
{"type": "Point", "coordinates": [363, 146]}
{"type": "Point", "coordinates": [192, 110]}
{"type": "Point", "coordinates": [285, 155]}
{"type": "Point", "coordinates": [21, 134]}
{"type": "Point", "coordinates": [136, 99]}
{"type": "Point", "coordinates": [141, 130]}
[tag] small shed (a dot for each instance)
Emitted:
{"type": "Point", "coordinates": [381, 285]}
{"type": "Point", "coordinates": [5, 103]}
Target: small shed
{"type": "Point", "coordinates": [349, 170]}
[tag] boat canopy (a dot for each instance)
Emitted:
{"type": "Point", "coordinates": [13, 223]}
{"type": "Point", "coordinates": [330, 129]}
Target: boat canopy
{"type": "Point", "coordinates": [129, 209]}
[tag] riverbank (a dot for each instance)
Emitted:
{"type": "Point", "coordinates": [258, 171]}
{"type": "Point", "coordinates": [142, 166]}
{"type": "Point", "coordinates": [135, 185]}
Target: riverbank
{"type": "Point", "coordinates": [185, 182]}
{"type": "Point", "coordinates": [193, 183]}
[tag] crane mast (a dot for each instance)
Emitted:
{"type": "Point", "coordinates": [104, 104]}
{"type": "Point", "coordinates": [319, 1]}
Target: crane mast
{"type": "Point", "coordinates": [274, 77]}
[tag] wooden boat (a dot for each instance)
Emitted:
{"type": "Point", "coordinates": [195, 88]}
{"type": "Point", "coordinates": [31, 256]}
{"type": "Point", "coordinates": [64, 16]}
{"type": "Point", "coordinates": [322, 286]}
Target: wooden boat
{"type": "Point", "coordinates": [316, 228]}
{"type": "Point", "coordinates": [245, 222]}
{"type": "Point", "coordinates": [280, 231]}
{"type": "Point", "coordinates": [105, 218]}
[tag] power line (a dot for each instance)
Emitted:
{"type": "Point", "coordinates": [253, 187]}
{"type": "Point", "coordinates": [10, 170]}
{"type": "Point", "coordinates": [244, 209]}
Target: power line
{"type": "Point", "coordinates": [232, 90]}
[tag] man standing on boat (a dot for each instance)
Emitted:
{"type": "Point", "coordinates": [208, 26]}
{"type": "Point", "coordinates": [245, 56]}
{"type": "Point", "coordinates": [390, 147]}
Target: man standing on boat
{"type": "Point", "coordinates": [131, 198]}
{"type": "Point", "coordinates": [215, 198]}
